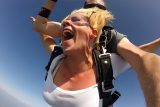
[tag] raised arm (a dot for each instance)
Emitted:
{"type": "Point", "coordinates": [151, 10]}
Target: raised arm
{"type": "Point", "coordinates": [47, 40]}
{"type": "Point", "coordinates": [147, 67]}
{"type": "Point", "coordinates": [41, 23]}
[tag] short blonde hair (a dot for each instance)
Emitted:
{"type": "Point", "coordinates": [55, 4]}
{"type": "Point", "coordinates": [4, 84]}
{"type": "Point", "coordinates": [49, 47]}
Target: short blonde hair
{"type": "Point", "coordinates": [97, 18]}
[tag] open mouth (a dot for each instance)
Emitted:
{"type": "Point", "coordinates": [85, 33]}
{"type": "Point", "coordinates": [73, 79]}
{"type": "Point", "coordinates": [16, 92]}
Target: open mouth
{"type": "Point", "coordinates": [68, 34]}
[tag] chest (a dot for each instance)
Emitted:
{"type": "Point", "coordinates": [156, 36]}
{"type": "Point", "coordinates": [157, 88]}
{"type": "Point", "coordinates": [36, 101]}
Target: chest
{"type": "Point", "coordinates": [59, 97]}
{"type": "Point", "coordinates": [63, 79]}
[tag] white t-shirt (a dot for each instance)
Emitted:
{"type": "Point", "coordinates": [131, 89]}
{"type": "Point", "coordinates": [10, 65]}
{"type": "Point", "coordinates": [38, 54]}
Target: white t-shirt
{"type": "Point", "coordinates": [89, 97]}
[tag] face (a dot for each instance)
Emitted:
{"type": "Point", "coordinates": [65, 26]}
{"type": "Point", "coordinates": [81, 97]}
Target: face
{"type": "Point", "coordinates": [95, 1]}
{"type": "Point", "coordinates": [77, 33]}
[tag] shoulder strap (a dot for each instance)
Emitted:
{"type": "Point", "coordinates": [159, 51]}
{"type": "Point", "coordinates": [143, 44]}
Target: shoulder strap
{"type": "Point", "coordinates": [105, 78]}
{"type": "Point", "coordinates": [57, 51]}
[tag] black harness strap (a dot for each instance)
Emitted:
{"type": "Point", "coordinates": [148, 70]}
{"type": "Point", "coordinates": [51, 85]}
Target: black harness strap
{"type": "Point", "coordinates": [107, 74]}
{"type": "Point", "coordinates": [106, 67]}
{"type": "Point", "coordinates": [98, 71]}
{"type": "Point", "coordinates": [104, 70]}
{"type": "Point", "coordinates": [57, 51]}
{"type": "Point", "coordinates": [104, 76]}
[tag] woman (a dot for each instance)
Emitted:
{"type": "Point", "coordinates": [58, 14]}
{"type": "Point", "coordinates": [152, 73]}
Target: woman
{"type": "Point", "coordinates": [76, 81]}
{"type": "Point", "coordinates": [79, 34]}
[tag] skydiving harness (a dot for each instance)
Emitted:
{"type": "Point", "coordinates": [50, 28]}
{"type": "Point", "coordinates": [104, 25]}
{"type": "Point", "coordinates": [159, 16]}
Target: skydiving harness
{"type": "Point", "coordinates": [103, 67]}
{"type": "Point", "coordinates": [103, 64]}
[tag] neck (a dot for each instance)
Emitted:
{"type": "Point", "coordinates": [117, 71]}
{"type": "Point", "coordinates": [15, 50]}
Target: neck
{"type": "Point", "coordinates": [79, 63]}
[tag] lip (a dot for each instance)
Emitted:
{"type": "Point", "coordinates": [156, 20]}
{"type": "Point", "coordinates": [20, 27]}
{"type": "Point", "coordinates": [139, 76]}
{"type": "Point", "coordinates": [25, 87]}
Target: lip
{"type": "Point", "coordinates": [66, 43]}
{"type": "Point", "coordinates": [67, 29]}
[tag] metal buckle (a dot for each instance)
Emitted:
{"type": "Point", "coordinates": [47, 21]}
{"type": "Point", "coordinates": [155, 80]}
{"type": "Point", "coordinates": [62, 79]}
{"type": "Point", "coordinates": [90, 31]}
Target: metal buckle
{"type": "Point", "coordinates": [104, 90]}
{"type": "Point", "coordinates": [105, 55]}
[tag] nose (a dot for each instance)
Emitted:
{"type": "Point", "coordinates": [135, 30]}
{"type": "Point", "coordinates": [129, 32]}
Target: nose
{"type": "Point", "coordinates": [66, 23]}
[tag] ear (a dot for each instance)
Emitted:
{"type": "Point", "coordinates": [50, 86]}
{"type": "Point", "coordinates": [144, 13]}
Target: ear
{"type": "Point", "coordinates": [94, 34]}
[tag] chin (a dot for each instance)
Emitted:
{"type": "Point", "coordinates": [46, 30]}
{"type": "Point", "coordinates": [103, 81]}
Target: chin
{"type": "Point", "coordinates": [70, 51]}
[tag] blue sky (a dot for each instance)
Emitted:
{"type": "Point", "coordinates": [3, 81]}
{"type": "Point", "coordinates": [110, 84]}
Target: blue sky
{"type": "Point", "coordinates": [22, 56]}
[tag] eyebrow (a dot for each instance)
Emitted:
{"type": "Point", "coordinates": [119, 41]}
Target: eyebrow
{"type": "Point", "coordinates": [81, 15]}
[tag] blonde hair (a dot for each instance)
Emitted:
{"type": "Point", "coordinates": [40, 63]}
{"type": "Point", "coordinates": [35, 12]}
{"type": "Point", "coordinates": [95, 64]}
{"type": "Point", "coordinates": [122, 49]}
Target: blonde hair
{"type": "Point", "coordinates": [97, 18]}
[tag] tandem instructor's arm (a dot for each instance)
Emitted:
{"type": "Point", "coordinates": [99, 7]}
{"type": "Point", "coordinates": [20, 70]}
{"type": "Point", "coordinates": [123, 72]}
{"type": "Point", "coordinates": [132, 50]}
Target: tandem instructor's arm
{"type": "Point", "coordinates": [147, 68]}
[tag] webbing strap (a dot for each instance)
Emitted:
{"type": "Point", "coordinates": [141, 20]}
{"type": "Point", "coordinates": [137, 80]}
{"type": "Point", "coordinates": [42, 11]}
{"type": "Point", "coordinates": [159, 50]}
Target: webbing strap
{"type": "Point", "coordinates": [57, 51]}
{"type": "Point", "coordinates": [107, 71]}
{"type": "Point", "coordinates": [98, 72]}
{"type": "Point", "coordinates": [107, 84]}
{"type": "Point", "coordinates": [104, 77]}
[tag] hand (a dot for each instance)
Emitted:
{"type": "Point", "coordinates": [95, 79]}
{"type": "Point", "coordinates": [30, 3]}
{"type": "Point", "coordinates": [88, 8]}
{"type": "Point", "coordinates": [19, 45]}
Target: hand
{"type": "Point", "coordinates": [33, 19]}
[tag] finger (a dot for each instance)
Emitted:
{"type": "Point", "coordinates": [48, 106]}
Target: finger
{"type": "Point", "coordinates": [33, 19]}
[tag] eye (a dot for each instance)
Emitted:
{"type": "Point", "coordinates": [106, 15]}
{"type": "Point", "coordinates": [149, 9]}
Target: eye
{"type": "Point", "coordinates": [75, 19]}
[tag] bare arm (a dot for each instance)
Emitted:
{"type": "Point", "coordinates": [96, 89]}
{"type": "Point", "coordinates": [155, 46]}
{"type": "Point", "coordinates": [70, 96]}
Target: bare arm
{"type": "Point", "coordinates": [50, 28]}
{"type": "Point", "coordinates": [42, 25]}
{"type": "Point", "coordinates": [151, 46]}
{"type": "Point", "coordinates": [48, 42]}
{"type": "Point", "coordinates": [147, 67]}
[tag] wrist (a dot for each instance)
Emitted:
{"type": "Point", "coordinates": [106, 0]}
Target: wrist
{"type": "Point", "coordinates": [47, 8]}
{"type": "Point", "coordinates": [44, 12]}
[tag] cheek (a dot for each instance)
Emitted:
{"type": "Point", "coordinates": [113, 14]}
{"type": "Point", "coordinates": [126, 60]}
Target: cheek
{"type": "Point", "coordinates": [84, 42]}
{"type": "Point", "coordinates": [83, 38]}
{"type": "Point", "coordinates": [83, 35]}
{"type": "Point", "coordinates": [83, 32]}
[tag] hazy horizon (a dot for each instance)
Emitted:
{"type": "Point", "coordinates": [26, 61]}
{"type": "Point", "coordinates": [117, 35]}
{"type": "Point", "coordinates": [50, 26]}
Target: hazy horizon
{"type": "Point", "coordinates": [8, 100]}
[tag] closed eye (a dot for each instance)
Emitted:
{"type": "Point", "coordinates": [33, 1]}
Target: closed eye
{"type": "Point", "coordinates": [75, 19]}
